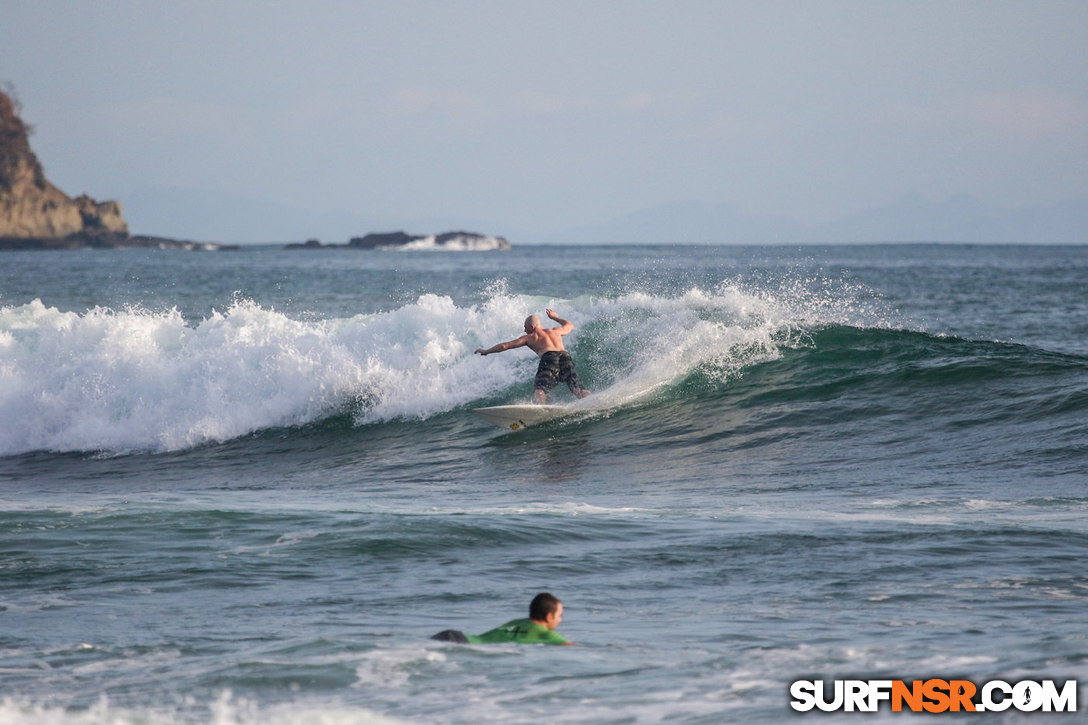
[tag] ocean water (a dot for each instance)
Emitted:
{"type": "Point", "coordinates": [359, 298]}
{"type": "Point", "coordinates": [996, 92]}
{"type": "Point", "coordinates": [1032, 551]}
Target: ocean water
{"type": "Point", "coordinates": [246, 487]}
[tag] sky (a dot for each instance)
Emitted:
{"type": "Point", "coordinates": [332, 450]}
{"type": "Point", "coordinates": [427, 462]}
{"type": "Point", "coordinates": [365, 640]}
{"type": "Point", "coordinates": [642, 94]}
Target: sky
{"type": "Point", "coordinates": [547, 115]}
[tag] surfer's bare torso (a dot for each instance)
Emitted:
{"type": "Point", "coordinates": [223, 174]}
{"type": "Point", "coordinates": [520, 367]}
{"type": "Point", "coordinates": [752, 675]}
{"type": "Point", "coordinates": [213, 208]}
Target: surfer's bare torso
{"type": "Point", "coordinates": [536, 338]}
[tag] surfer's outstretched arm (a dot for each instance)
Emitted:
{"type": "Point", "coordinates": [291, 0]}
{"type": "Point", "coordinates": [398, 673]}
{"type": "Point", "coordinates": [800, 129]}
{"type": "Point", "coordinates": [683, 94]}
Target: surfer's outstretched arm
{"type": "Point", "coordinates": [509, 345]}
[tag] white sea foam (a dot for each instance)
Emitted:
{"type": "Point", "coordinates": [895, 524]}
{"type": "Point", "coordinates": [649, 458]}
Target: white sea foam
{"type": "Point", "coordinates": [226, 710]}
{"type": "Point", "coordinates": [568, 508]}
{"type": "Point", "coordinates": [456, 243]}
{"type": "Point", "coordinates": [132, 379]}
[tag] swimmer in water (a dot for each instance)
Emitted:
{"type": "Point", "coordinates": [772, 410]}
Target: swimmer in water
{"type": "Point", "coordinates": [545, 614]}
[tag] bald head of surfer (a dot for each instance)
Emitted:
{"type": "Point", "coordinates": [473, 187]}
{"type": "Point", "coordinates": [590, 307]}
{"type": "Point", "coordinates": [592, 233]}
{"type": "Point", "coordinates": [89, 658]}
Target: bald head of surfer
{"type": "Point", "coordinates": [555, 362]}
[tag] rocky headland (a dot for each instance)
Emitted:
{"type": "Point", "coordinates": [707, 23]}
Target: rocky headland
{"type": "Point", "coordinates": [35, 214]}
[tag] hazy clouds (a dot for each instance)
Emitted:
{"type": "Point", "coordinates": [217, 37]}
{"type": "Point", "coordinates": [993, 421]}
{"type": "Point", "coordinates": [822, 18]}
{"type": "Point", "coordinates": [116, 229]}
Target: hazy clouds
{"type": "Point", "coordinates": [545, 115]}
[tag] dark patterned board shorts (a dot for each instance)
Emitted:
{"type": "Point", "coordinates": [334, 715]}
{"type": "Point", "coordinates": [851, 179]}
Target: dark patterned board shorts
{"type": "Point", "coordinates": [556, 367]}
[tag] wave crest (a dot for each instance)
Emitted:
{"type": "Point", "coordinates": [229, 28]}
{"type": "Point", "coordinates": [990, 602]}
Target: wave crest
{"type": "Point", "coordinates": [135, 379]}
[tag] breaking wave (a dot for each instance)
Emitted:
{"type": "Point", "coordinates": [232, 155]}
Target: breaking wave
{"type": "Point", "coordinates": [138, 380]}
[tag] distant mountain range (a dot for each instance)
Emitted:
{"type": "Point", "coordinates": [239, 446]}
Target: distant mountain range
{"type": "Point", "coordinates": [962, 219]}
{"type": "Point", "coordinates": [213, 216]}
{"type": "Point", "coordinates": [959, 219]}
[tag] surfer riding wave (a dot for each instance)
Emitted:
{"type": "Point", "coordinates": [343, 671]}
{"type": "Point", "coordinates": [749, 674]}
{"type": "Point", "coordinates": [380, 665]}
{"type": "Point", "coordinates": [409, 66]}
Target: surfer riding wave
{"type": "Point", "coordinates": [556, 365]}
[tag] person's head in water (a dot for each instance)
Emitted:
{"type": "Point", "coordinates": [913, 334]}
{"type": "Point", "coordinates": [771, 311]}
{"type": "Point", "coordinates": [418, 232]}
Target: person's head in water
{"type": "Point", "coordinates": [532, 322]}
{"type": "Point", "coordinates": [545, 608]}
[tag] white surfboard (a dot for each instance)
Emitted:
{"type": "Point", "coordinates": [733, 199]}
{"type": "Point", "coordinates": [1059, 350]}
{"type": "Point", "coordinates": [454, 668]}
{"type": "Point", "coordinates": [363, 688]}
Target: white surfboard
{"type": "Point", "coordinates": [516, 417]}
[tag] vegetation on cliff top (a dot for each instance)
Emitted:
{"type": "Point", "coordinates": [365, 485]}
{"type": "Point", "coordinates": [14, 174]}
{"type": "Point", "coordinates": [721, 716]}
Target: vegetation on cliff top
{"type": "Point", "coordinates": [15, 143]}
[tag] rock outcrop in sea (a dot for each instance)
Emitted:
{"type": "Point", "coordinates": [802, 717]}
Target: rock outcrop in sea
{"type": "Point", "coordinates": [447, 241]}
{"type": "Point", "coordinates": [35, 214]}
